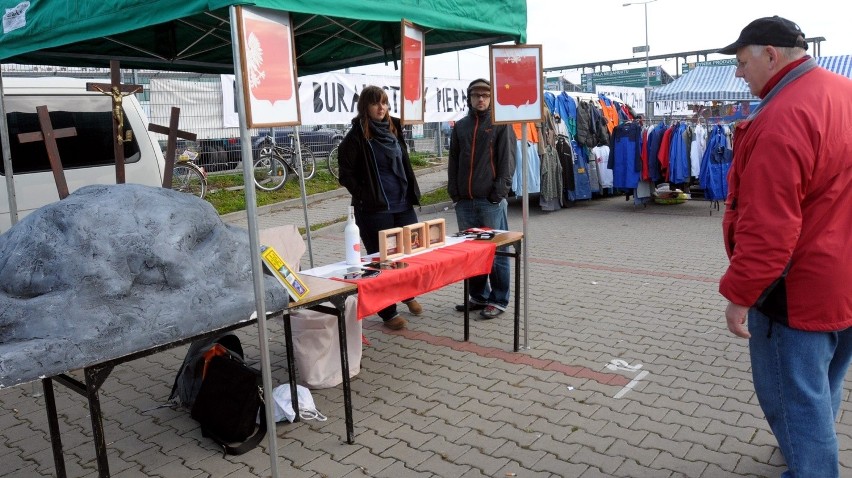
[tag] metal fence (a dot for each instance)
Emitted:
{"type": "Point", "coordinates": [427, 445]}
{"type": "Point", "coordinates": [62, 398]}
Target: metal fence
{"type": "Point", "coordinates": [200, 98]}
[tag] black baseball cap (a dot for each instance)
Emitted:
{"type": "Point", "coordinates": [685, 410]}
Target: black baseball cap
{"type": "Point", "coordinates": [775, 31]}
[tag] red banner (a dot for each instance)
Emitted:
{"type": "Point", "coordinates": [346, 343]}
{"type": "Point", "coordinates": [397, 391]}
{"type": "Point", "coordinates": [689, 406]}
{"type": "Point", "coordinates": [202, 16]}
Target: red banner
{"type": "Point", "coordinates": [412, 88]}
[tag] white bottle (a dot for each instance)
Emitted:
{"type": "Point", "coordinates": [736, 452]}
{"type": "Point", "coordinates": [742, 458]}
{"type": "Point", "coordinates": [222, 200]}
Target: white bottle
{"type": "Point", "coordinates": [352, 238]}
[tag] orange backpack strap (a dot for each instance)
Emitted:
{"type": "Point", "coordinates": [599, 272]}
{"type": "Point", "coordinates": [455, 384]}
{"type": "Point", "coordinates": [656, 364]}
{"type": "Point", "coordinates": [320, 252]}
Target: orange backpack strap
{"type": "Point", "coordinates": [215, 350]}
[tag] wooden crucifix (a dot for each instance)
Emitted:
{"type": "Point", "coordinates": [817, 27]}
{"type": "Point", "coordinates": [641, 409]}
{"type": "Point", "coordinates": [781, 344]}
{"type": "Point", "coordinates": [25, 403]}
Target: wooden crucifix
{"type": "Point", "coordinates": [117, 91]}
{"type": "Point", "coordinates": [49, 136]}
{"type": "Point", "coordinates": [171, 144]}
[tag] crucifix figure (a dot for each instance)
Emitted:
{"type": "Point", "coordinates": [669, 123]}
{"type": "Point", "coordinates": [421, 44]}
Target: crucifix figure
{"type": "Point", "coordinates": [171, 144]}
{"type": "Point", "coordinates": [117, 92]}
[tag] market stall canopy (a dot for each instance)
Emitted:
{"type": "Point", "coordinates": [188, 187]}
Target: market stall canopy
{"type": "Point", "coordinates": [195, 35]}
{"type": "Point", "coordinates": [719, 83]}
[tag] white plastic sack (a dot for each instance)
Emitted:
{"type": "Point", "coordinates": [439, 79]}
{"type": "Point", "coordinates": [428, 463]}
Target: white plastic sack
{"type": "Point", "coordinates": [283, 404]}
{"type": "Point", "coordinates": [316, 345]}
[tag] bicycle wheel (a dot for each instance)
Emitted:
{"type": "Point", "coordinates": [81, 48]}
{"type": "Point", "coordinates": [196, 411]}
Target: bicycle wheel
{"type": "Point", "coordinates": [309, 163]}
{"type": "Point", "coordinates": [270, 173]}
{"type": "Point", "coordinates": [333, 167]}
{"type": "Point", "coordinates": [189, 179]}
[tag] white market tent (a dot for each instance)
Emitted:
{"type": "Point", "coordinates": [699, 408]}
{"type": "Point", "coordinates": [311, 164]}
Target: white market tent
{"type": "Point", "coordinates": [719, 83]}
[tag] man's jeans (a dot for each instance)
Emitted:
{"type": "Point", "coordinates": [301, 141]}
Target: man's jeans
{"type": "Point", "coordinates": [481, 213]}
{"type": "Point", "coordinates": [798, 377]}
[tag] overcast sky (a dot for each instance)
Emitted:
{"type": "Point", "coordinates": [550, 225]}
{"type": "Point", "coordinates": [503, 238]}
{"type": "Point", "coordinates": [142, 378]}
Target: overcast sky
{"type": "Point", "coordinates": [572, 32]}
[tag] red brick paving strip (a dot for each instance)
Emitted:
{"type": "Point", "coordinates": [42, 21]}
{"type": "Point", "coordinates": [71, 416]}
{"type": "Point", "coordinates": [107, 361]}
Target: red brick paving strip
{"type": "Point", "coordinates": [504, 355]}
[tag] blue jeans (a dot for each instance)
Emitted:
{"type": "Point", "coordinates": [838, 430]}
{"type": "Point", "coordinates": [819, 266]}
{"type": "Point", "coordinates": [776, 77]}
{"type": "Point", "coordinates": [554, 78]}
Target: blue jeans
{"type": "Point", "coordinates": [369, 225]}
{"type": "Point", "coordinates": [493, 288]}
{"type": "Point", "coordinates": [798, 378]}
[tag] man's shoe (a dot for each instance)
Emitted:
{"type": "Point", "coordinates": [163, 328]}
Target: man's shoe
{"type": "Point", "coordinates": [396, 323]}
{"type": "Point", "coordinates": [489, 312]}
{"type": "Point", "coordinates": [414, 307]}
{"type": "Point", "coordinates": [470, 306]}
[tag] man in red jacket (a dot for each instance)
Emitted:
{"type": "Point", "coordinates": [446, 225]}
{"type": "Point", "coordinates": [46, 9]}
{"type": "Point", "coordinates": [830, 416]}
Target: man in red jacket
{"type": "Point", "coordinates": [788, 234]}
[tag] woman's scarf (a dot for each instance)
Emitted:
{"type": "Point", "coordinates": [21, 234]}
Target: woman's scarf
{"type": "Point", "coordinates": [387, 143]}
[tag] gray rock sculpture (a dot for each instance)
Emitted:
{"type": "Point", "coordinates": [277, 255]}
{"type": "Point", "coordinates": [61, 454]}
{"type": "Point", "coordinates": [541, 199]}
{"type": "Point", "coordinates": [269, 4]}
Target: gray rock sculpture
{"type": "Point", "coordinates": [116, 269]}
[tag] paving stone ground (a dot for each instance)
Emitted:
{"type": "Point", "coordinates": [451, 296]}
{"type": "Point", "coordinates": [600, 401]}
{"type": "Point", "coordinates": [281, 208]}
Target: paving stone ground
{"type": "Point", "coordinates": [609, 283]}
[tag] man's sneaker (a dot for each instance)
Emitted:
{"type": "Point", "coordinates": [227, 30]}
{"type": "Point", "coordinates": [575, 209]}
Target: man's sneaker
{"type": "Point", "coordinates": [414, 307]}
{"type": "Point", "coordinates": [396, 323]}
{"type": "Point", "coordinates": [471, 306]}
{"type": "Point", "coordinates": [489, 312]}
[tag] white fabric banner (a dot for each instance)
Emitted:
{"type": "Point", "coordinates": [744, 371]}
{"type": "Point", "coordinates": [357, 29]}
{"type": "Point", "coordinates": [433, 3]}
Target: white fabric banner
{"type": "Point", "coordinates": [332, 98]}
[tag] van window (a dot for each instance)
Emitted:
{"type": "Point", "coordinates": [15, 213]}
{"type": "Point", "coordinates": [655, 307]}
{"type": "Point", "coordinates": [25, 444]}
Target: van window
{"type": "Point", "coordinates": [91, 115]}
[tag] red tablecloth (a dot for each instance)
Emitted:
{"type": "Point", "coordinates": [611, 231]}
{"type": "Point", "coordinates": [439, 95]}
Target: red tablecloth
{"type": "Point", "coordinates": [425, 272]}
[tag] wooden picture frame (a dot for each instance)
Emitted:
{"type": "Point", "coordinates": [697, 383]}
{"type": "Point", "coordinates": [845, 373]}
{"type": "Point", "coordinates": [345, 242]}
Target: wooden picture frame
{"type": "Point", "coordinates": [517, 91]}
{"type": "Point", "coordinates": [414, 237]}
{"type": "Point", "coordinates": [391, 244]}
{"type": "Point", "coordinates": [268, 59]}
{"type": "Point", "coordinates": [436, 232]}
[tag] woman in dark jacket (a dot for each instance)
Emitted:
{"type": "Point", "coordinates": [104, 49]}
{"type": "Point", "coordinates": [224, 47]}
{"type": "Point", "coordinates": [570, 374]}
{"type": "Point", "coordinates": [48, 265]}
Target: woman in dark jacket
{"type": "Point", "coordinates": [376, 170]}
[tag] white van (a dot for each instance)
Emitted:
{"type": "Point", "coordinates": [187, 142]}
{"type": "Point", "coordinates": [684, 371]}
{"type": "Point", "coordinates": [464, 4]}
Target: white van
{"type": "Point", "coordinates": [87, 158]}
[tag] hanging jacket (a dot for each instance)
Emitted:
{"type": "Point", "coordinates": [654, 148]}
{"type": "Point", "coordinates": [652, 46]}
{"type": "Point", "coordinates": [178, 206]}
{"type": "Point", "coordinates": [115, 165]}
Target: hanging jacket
{"type": "Point", "coordinates": [609, 112]}
{"type": "Point", "coordinates": [626, 155]}
{"type": "Point", "coordinates": [567, 109]}
{"type": "Point", "coordinates": [585, 133]}
{"type": "Point", "coordinates": [715, 164]}
{"type": "Point", "coordinates": [565, 155]}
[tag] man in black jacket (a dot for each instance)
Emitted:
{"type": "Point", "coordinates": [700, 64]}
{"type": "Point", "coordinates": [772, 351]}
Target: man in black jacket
{"type": "Point", "coordinates": [481, 165]}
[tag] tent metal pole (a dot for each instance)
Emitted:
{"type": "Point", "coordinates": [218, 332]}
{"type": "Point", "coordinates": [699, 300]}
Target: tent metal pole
{"type": "Point", "coordinates": [297, 146]}
{"type": "Point", "coordinates": [7, 158]}
{"type": "Point", "coordinates": [254, 247]}
{"type": "Point", "coordinates": [526, 244]}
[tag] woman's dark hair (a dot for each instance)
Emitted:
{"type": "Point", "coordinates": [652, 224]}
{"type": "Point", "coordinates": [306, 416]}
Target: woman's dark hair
{"type": "Point", "coordinates": [372, 95]}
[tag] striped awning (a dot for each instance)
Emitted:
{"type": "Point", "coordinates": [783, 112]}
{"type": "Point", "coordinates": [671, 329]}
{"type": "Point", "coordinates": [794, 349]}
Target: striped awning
{"type": "Point", "coordinates": [705, 83]}
{"type": "Point", "coordinates": [719, 83]}
{"type": "Point", "coordinates": [842, 65]}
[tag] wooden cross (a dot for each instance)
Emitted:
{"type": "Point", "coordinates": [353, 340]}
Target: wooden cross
{"type": "Point", "coordinates": [117, 91]}
{"type": "Point", "coordinates": [171, 144]}
{"type": "Point", "coordinates": [49, 136]}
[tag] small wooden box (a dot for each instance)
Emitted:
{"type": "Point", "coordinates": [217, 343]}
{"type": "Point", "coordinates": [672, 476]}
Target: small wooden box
{"type": "Point", "coordinates": [414, 237]}
{"type": "Point", "coordinates": [436, 232]}
{"type": "Point", "coordinates": [391, 243]}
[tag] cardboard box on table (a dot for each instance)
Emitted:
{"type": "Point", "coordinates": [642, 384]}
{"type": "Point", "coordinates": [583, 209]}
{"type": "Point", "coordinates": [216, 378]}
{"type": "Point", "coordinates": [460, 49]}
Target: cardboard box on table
{"type": "Point", "coordinates": [316, 343]}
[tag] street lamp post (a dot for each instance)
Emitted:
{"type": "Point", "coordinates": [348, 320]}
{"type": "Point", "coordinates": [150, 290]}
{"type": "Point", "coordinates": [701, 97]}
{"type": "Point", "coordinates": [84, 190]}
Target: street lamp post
{"type": "Point", "coordinates": [647, 50]}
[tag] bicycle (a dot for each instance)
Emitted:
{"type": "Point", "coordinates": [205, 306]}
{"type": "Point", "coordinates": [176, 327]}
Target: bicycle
{"type": "Point", "coordinates": [187, 176]}
{"type": "Point", "coordinates": [275, 164]}
{"type": "Point", "coordinates": [332, 160]}
{"type": "Point", "coordinates": [333, 166]}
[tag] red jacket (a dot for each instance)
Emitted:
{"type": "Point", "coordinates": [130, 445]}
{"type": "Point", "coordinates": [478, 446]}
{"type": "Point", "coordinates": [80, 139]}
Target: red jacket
{"type": "Point", "coordinates": [789, 202]}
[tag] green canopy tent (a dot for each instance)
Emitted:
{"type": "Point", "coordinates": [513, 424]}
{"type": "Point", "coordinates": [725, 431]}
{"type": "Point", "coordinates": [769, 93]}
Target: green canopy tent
{"type": "Point", "coordinates": [194, 35]}
{"type": "Point", "coordinates": [197, 36]}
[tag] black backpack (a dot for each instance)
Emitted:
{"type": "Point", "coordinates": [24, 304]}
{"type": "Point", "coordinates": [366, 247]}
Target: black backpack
{"type": "Point", "coordinates": [224, 394]}
{"type": "Point", "coordinates": [188, 379]}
